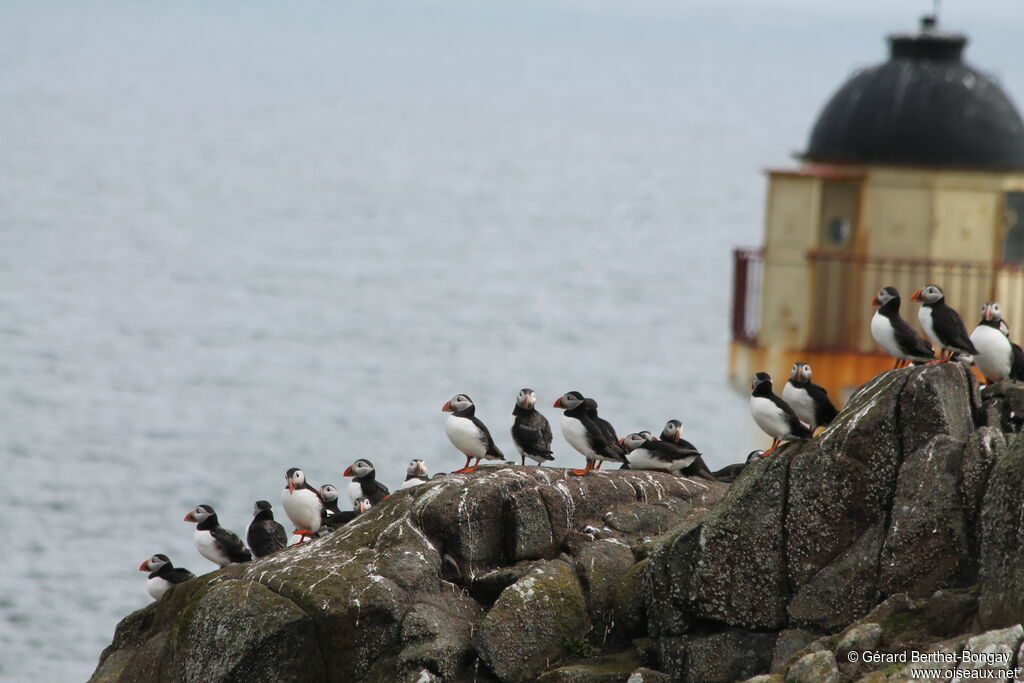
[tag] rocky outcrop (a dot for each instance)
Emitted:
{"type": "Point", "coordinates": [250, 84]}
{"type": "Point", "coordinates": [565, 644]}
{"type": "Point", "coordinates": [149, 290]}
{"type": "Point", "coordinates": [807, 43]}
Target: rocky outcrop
{"type": "Point", "coordinates": [908, 492]}
{"type": "Point", "coordinates": [503, 573]}
{"type": "Point", "coordinates": [899, 527]}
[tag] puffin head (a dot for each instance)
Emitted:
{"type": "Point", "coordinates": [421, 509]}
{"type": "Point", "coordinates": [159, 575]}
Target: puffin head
{"type": "Point", "coordinates": [991, 311]}
{"type": "Point", "coordinates": [457, 403]}
{"type": "Point", "coordinates": [929, 294]}
{"type": "Point", "coordinates": [154, 563]}
{"type": "Point", "coordinates": [631, 442]}
{"type": "Point", "coordinates": [647, 435]}
{"type": "Point", "coordinates": [761, 378]}
{"type": "Point", "coordinates": [569, 400]}
{"type": "Point", "coordinates": [800, 372]}
{"type": "Point", "coordinates": [673, 431]}
{"type": "Point", "coordinates": [526, 398]}
{"type": "Point", "coordinates": [885, 295]}
{"type": "Point", "coordinates": [416, 468]}
{"type": "Point", "coordinates": [328, 493]}
{"type": "Point", "coordinates": [361, 505]}
{"type": "Point", "coordinates": [200, 514]}
{"type": "Point", "coordinates": [754, 455]}
{"type": "Point", "coordinates": [360, 468]}
{"type": "Point", "coordinates": [261, 506]}
{"type": "Point", "coordinates": [296, 479]}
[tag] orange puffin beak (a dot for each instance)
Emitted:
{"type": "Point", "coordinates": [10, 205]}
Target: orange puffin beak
{"type": "Point", "coordinates": [917, 295]}
{"type": "Point", "coordinates": [348, 471]}
{"type": "Point", "coordinates": [143, 567]}
{"type": "Point", "coordinates": [446, 408]}
{"type": "Point", "coordinates": [291, 486]}
{"type": "Point", "coordinates": [558, 403]}
{"type": "Point", "coordinates": [190, 517]}
{"type": "Point", "coordinates": [874, 300]}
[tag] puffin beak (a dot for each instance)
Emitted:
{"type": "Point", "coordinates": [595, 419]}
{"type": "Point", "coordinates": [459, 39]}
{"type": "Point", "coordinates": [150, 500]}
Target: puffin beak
{"type": "Point", "coordinates": [348, 471]}
{"type": "Point", "coordinates": [446, 408]}
{"type": "Point", "coordinates": [558, 403]}
{"type": "Point", "coordinates": [190, 517]}
{"type": "Point", "coordinates": [291, 486]}
{"type": "Point", "coordinates": [421, 469]}
{"type": "Point", "coordinates": [986, 313]}
{"type": "Point", "coordinates": [917, 295]}
{"type": "Point", "coordinates": [143, 567]}
{"type": "Point", "coordinates": [874, 301]}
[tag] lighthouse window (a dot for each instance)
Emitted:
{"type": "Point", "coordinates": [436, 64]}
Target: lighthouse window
{"type": "Point", "coordinates": [838, 209]}
{"type": "Point", "coordinates": [1013, 239]}
{"type": "Point", "coordinates": [838, 230]}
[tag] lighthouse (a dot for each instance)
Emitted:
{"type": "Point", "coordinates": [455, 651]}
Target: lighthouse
{"type": "Point", "coordinates": [913, 174]}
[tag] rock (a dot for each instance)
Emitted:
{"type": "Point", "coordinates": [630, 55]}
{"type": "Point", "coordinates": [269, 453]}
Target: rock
{"type": "Point", "coordinates": [397, 594]}
{"type": "Point", "coordinates": [628, 606]}
{"type": "Point", "coordinates": [529, 623]}
{"type": "Point", "coordinates": [766, 678]}
{"type": "Point", "coordinates": [614, 668]}
{"type": "Point", "coordinates": [859, 638]}
{"type": "Point", "coordinates": [727, 656]}
{"type": "Point", "coordinates": [601, 565]}
{"type": "Point", "coordinates": [991, 651]}
{"type": "Point", "coordinates": [817, 667]}
{"type": "Point", "coordinates": [645, 675]}
{"type": "Point", "coordinates": [789, 642]}
{"type": "Point", "coordinates": [1002, 542]}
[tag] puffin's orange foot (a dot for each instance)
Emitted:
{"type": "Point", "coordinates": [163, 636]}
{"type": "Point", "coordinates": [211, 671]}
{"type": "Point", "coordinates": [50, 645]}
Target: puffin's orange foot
{"type": "Point", "coordinates": [576, 471]}
{"type": "Point", "coordinates": [460, 471]}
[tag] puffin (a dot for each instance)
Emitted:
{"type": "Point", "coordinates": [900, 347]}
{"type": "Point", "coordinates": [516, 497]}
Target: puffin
{"type": "Point", "coordinates": [469, 434]}
{"type": "Point", "coordinates": [531, 431]}
{"type": "Point", "coordinates": [729, 473]}
{"type": "Point", "coordinates": [214, 542]}
{"type": "Point", "coordinates": [265, 535]}
{"type": "Point", "coordinates": [163, 575]}
{"type": "Point", "coordinates": [584, 433]}
{"type": "Point", "coordinates": [809, 401]}
{"type": "Point", "coordinates": [673, 433]}
{"type": "Point", "coordinates": [364, 482]}
{"type": "Point", "coordinates": [773, 415]}
{"type": "Point", "coordinates": [995, 353]}
{"type": "Point", "coordinates": [1017, 366]}
{"type": "Point", "coordinates": [941, 323]}
{"type": "Point", "coordinates": [651, 454]}
{"type": "Point", "coordinates": [361, 505]}
{"type": "Point", "coordinates": [415, 474]}
{"type": "Point", "coordinates": [302, 504]}
{"type": "Point", "coordinates": [329, 496]}
{"type": "Point", "coordinates": [893, 334]}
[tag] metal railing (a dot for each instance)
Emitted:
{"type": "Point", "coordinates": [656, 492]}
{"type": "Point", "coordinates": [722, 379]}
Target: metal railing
{"type": "Point", "coordinates": [841, 286]}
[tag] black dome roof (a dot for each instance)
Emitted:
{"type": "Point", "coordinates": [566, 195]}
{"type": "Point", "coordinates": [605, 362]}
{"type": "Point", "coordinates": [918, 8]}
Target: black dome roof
{"type": "Point", "coordinates": [923, 107]}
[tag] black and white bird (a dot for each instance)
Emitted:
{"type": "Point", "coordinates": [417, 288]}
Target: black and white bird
{"type": "Point", "coordinates": [302, 504]}
{"type": "Point", "coordinates": [774, 416]}
{"type": "Point", "coordinates": [329, 496]}
{"type": "Point", "coordinates": [653, 454]}
{"type": "Point", "coordinates": [729, 473]}
{"type": "Point", "coordinates": [809, 401]}
{"type": "Point", "coordinates": [1017, 366]}
{"type": "Point", "coordinates": [583, 432]}
{"type": "Point", "coordinates": [415, 474]}
{"type": "Point", "coordinates": [995, 353]}
{"type": "Point", "coordinates": [892, 332]}
{"type": "Point", "coordinates": [265, 535]}
{"type": "Point", "coordinates": [531, 431]}
{"type": "Point", "coordinates": [941, 323]}
{"type": "Point", "coordinates": [214, 542]}
{"type": "Point", "coordinates": [469, 434]}
{"type": "Point", "coordinates": [163, 575]}
{"type": "Point", "coordinates": [364, 482]}
{"type": "Point", "coordinates": [345, 516]}
{"type": "Point", "coordinates": [673, 434]}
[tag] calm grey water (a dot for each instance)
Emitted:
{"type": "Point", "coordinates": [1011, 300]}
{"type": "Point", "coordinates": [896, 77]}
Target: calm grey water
{"type": "Point", "coordinates": [238, 237]}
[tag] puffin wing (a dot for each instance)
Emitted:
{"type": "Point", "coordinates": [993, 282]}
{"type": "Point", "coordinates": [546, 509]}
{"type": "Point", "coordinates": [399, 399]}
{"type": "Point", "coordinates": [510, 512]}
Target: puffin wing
{"type": "Point", "coordinates": [534, 434]}
{"type": "Point", "coordinates": [824, 411]}
{"type": "Point", "coordinates": [669, 452]}
{"type": "Point", "coordinates": [950, 328]}
{"type": "Point", "coordinates": [1017, 366]}
{"type": "Point", "coordinates": [342, 518]}
{"type": "Point", "coordinates": [910, 341]}
{"type": "Point", "coordinates": [178, 575]}
{"type": "Point", "coordinates": [231, 544]}
{"type": "Point", "coordinates": [375, 491]}
{"type": "Point", "coordinates": [492, 449]}
{"type": "Point", "coordinates": [796, 427]}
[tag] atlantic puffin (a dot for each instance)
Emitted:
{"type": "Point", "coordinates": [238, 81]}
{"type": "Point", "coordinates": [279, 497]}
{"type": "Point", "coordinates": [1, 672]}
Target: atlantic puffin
{"type": "Point", "coordinates": [163, 575]}
{"type": "Point", "coordinates": [1017, 366]}
{"type": "Point", "coordinates": [941, 323]}
{"type": "Point", "coordinates": [995, 354]}
{"type": "Point", "coordinates": [302, 504]}
{"type": "Point", "coordinates": [415, 474]}
{"type": "Point", "coordinates": [531, 431]}
{"type": "Point", "coordinates": [265, 535]}
{"type": "Point", "coordinates": [652, 454]}
{"type": "Point", "coordinates": [329, 497]}
{"type": "Point", "coordinates": [892, 332]}
{"type": "Point", "coordinates": [729, 473]}
{"type": "Point", "coordinates": [584, 433]}
{"type": "Point", "coordinates": [809, 401]}
{"type": "Point", "coordinates": [773, 415]}
{"type": "Point", "coordinates": [361, 505]}
{"type": "Point", "coordinates": [673, 433]}
{"type": "Point", "coordinates": [364, 482]}
{"type": "Point", "coordinates": [214, 542]}
{"type": "Point", "coordinates": [467, 433]}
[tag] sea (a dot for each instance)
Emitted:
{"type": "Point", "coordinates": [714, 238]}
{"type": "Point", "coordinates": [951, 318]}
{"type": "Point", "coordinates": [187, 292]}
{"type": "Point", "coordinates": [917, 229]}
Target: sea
{"type": "Point", "coordinates": [239, 237]}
